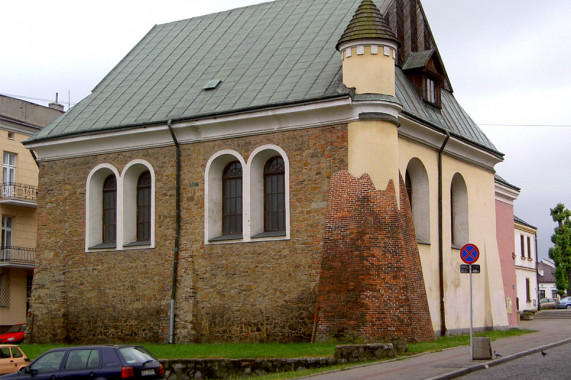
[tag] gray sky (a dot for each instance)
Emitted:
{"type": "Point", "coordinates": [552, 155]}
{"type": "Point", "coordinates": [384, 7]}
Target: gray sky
{"type": "Point", "coordinates": [507, 61]}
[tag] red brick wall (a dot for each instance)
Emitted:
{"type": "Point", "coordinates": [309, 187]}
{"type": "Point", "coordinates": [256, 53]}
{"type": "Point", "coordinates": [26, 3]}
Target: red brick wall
{"type": "Point", "coordinates": [371, 286]}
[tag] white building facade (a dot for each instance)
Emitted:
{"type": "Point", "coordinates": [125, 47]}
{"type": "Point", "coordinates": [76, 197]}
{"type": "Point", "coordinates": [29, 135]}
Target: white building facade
{"type": "Point", "coordinates": [525, 256]}
{"type": "Point", "coordinates": [546, 279]}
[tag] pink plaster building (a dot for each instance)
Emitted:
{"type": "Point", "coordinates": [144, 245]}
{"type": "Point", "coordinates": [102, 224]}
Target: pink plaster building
{"type": "Point", "coordinates": [506, 194]}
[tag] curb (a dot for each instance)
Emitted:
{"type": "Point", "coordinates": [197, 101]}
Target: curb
{"type": "Point", "coordinates": [486, 365]}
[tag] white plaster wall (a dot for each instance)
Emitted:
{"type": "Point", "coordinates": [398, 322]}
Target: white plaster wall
{"type": "Point", "coordinates": [488, 294]}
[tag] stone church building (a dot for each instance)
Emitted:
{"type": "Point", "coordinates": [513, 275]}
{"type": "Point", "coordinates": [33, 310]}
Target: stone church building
{"type": "Point", "coordinates": [296, 170]}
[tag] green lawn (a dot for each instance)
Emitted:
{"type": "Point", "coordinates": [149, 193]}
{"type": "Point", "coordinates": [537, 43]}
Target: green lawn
{"type": "Point", "coordinates": [276, 350]}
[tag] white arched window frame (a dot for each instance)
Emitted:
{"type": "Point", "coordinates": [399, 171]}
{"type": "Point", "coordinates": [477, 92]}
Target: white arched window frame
{"type": "Point", "coordinates": [420, 204]}
{"type": "Point", "coordinates": [255, 173]}
{"type": "Point", "coordinates": [129, 179]}
{"type": "Point", "coordinates": [94, 207]}
{"type": "Point", "coordinates": [459, 211]}
{"type": "Point", "coordinates": [213, 196]}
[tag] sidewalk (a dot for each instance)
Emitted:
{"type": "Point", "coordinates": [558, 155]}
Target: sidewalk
{"type": "Point", "coordinates": [454, 362]}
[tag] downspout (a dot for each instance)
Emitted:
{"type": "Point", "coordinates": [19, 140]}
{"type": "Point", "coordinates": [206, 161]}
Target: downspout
{"type": "Point", "coordinates": [34, 157]}
{"type": "Point", "coordinates": [440, 240]}
{"type": "Point", "coordinates": [176, 234]}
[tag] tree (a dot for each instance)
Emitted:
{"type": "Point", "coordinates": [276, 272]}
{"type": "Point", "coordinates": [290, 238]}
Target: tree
{"type": "Point", "coordinates": [561, 252]}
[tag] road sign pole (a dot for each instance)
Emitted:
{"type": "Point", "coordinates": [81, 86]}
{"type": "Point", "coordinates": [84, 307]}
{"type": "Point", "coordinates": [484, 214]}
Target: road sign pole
{"type": "Point", "coordinates": [471, 328]}
{"type": "Point", "coordinates": [469, 255]}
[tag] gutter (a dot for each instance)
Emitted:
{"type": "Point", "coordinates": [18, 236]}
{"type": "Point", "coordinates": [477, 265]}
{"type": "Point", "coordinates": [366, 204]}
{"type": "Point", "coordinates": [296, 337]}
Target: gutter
{"type": "Point", "coordinates": [440, 239]}
{"type": "Point", "coordinates": [176, 236]}
{"type": "Point", "coordinates": [187, 119]}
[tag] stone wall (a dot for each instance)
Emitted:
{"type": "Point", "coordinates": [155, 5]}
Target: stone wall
{"type": "Point", "coordinates": [239, 368]}
{"type": "Point", "coordinates": [259, 291]}
{"type": "Point", "coordinates": [256, 291]}
{"type": "Point", "coordinates": [371, 287]}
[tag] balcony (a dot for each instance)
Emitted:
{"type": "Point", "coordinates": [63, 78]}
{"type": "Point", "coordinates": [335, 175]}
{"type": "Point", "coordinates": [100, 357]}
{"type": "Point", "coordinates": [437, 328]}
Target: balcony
{"type": "Point", "coordinates": [18, 194]}
{"type": "Point", "coordinates": [17, 257]}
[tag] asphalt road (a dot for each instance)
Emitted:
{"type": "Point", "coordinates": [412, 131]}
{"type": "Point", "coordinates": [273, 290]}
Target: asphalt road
{"type": "Point", "coordinates": [555, 365]}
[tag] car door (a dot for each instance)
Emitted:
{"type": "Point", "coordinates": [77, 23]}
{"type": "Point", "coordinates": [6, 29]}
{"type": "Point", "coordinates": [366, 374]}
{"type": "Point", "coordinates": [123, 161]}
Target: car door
{"type": "Point", "coordinates": [81, 363]}
{"type": "Point", "coordinates": [45, 367]}
{"type": "Point", "coordinates": [18, 358]}
{"type": "Point", "coordinates": [6, 365]}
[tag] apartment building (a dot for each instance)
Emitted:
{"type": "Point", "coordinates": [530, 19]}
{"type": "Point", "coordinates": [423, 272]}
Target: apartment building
{"type": "Point", "coordinates": [18, 203]}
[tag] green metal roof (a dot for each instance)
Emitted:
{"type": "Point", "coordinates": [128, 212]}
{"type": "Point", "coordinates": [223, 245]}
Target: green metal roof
{"type": "Point", "coordinates": [417, 60]}
{"type": "Point", "coordinates": [523, 222]}
{"type": "Point", "coordinates": [499, 179]}
{"type": "Point", "coordinates": [265, 55]}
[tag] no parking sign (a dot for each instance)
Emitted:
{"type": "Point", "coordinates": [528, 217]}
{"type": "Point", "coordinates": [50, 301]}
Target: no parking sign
{"type": "Point", "coordinates": [469, 253]}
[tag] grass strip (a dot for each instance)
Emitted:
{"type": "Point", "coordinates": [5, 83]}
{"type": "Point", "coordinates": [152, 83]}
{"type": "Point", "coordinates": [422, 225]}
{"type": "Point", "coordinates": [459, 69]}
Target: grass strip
{"type": "Point", "coordinates": [278, 350]}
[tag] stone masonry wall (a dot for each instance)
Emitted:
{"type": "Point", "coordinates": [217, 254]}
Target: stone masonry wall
{"type": "Point", "coordinates": [258, 291]}
{"type": "Point", "coordinates": [371, 287]}
{"type": "Point", "coordinates": [107, 296]}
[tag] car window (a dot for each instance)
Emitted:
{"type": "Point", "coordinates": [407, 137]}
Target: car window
{"type": "Point", "coordinates": [16, 328]}
{"type": "Point", "coordinates": [135, 354]}
{"type": "Point", "coordinates": [82, 359]}
{"type": "Point", "coordinates": [110, 358]}
{"type": "Point", "coordinates": [49, 362]}
{"type": "Point", "coordinates": [16, 353]}
{"type": "Point", "coordinates": [4, 352]}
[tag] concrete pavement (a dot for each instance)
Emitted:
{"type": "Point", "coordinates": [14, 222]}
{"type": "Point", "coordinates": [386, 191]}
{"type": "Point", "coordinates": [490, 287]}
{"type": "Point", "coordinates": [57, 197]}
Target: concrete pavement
{"type": "Point", "coordinates": [553, 329]}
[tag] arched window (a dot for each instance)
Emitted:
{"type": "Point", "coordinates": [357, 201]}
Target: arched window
{"type": "Point", "coordinates": [110, 210]}
{"type": "Point", "coordinates": [416, 181]}
{"type": "Point", "coordinates": [232, 199]}
{"type": "Point", "coordinates": [274, 195]}
{"type": "Point", "coordinates": [458, 211]}
{"type": "Point", "coordinates": [408, 184]}
{"type": "Point", "coordinates": [144, 207]}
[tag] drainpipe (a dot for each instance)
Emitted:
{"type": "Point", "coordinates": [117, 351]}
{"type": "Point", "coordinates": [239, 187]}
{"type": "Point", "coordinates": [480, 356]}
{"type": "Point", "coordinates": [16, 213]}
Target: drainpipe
{"type": "Point", "coordinates": [176, 234]}
{"type": "Point", "coordinates": [34, 157]}
{"type": "Point", "coordinates": [440, 247]}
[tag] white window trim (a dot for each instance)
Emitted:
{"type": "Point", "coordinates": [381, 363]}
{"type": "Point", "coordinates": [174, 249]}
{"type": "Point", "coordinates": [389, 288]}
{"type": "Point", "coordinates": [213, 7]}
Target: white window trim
{"type": "Point", "coordinates": [252, 194]}
{"type": "Point", "coordinates": [129, 178]}
{"type": "Point", "coordinates": [420, 199]}
{"type": "Point", "coordinates": [93, 206]}
{"type": "Point", "coordinates": [213, 195]}
{"type": "Point", "coordinates": [459, 188]}
{"type": "Point", "coordinates": [255, 174]}
{"type": "Point", "coordinates": [125, 212]}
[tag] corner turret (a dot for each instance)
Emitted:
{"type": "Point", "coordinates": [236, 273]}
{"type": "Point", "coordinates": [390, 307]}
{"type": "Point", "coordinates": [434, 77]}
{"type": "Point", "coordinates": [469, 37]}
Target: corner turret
{"type": "Point", "coordinates": [368, 48]}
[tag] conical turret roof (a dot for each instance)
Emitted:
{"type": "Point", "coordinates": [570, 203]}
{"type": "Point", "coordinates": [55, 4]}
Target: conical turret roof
{"type": "Point", "coordinates": [367, 23]}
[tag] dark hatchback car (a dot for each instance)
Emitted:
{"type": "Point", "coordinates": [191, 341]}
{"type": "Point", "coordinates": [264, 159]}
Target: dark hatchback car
{"type": "Point", "coordinates": [93, 362]}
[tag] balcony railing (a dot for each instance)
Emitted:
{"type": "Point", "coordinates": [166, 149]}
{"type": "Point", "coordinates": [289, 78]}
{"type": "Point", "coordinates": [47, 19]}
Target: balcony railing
{"type": "Point", "coordinates": [18, 193]}
{"type": "Point", "coordinates": [17, 255]}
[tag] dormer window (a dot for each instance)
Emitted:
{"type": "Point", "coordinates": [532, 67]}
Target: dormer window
{"type": "Point", "coordinates": [431, 91]}
{"type": "Point", "coordinates": [426, 73]}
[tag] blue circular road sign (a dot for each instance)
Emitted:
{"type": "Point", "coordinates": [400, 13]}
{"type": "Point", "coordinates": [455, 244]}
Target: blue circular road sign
{"type": "Point", "coordinates": [469, 253]}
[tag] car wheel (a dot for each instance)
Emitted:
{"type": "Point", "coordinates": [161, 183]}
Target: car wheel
{"type": "Point", "coordinates": [568, 306]}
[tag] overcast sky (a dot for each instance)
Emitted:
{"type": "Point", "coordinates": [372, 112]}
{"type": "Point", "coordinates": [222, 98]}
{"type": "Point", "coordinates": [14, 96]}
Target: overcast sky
{"type": "Point", "coordinates": [507, 60]}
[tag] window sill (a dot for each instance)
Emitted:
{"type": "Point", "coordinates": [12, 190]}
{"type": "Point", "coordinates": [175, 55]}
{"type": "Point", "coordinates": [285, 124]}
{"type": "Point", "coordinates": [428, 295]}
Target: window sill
{"type": "Point", "coordinates": [457, 247]}
{"type": "Point", "coordinates": [226, 238]}
{"type": "Point", "coordinates": [269, 234]}
{"type": "Point", "coordinates": [422, 242]}
{"type": "Point", "coordinates": [103, 246]}
{"type": "Point", "coordinates": [141, 243]}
